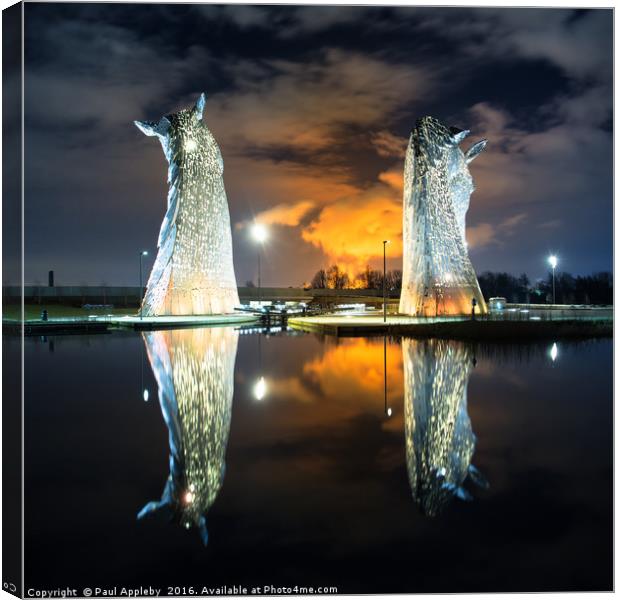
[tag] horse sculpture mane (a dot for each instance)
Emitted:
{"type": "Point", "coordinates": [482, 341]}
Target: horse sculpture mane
{"type": "Point", "coordinates": [438, 277]}
{"type": "Point", "coordinates": [193, 273]}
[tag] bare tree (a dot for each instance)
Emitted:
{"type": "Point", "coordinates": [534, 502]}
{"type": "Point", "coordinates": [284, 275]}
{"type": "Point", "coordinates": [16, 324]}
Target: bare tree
{"type": "Point", "coordinates": [336, 278]}
{"type": "Point", "coordinates": [319, 281]}
{"type": "Point", "coordinates": [394, 280]}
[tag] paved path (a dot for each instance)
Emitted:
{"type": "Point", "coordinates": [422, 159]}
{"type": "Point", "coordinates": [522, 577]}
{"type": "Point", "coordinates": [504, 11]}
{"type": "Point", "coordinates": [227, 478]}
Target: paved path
{"type": "Point", "coordinates": [103, 323]}
{"type": "Point", "coordinates": [135, 322]}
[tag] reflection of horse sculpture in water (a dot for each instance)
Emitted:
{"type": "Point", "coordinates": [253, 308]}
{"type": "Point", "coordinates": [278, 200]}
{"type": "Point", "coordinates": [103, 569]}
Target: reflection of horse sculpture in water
{"type": "Point", "coordinates": [438, 277]}
{"type": "Point", "coordinates": [194, 371]}
{"type": "Point", "coordinates": [439, 438]}
{"type": "Point", "coordinates": [193, 272]}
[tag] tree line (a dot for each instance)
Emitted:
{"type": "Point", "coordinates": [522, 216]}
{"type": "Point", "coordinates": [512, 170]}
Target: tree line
{"type": "Point", "coordinates": [582, 289]}
{"type": "Point", "coordinates": [336, 278]}
{"type": "Point", "coordinates": [589, 289]}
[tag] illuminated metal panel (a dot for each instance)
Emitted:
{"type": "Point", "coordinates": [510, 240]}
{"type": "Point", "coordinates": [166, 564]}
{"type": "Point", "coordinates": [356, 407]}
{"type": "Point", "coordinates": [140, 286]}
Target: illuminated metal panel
{"type": "Point", "coordinates": [193, 273]}
{"type": "Point", "coordinates": [438, 434]}
{"type": "Point", "coordinates": [194, 369]}
{"type": "Point", "coordinates": [438, 277]}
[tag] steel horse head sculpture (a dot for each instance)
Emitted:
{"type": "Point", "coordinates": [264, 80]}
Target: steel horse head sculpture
{"type": "Point", "coordinates": [438, 277]}
{"type": "Point", "coordinates": [193, 273]}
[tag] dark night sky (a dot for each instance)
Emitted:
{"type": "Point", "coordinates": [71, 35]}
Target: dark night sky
{"type": "Point", "coordinates": [312, 107]}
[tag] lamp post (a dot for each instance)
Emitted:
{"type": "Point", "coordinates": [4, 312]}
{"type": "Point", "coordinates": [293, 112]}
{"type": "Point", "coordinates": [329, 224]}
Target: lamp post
{"type": "Point", "coordinates": [553, 261]}
{"type": "Point", "coordinates": [385, 242]}
{"type": "Point", "coordinates": [142, 253]}
{"type": "Point", "coordinates": [259, 233]}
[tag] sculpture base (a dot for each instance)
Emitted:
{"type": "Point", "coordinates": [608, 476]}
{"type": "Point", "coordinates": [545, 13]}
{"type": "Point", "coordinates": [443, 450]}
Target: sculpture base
{"type": "Point", "coordinates": [445, 302]}
{"type": "Point", "coordinates": [184, 302]}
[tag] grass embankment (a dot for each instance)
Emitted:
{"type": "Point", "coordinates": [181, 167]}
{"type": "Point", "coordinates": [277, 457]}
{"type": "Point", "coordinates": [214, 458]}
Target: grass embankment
{"type": "Point", "coordinates": [464, 330]}
{"type": "Point", "coordinates": [12, 312]}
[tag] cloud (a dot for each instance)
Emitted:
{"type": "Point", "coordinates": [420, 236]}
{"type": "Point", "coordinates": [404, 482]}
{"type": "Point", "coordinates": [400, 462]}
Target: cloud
{"type": "Point", "coordinates": [78, 86]}
{"type": "Point", "coordinates": [510, 223]}
{"type": "Point", "coordinates": [243, 16]}
{"type": "Point", "coordinates": [560, 37]}
{"type": "Point", "coordinates": [481, 235]}
{"type": "Point", "coordinates": [309, 20]}
{"type": "Point", "coordinates": [285, 22]}
{"type": "Point", "coordinates": [485, 234]}
{"type": "Point", "coordinates": [592, 107]}
{"type": "Point", "coordinates": [306, 105]}
{"type": "Point", "coordinates": [389, 145]}
{"type": "Point", "coordinates": [520, 167]}
{"type": "Point", "coordinates": [350, 232]}
{"type": "Point", "coordinates": [265, 182]}
{"type": "Point", "coordinates": [283, 214]}
{"type": "Point", "coordinates": [393, 177]}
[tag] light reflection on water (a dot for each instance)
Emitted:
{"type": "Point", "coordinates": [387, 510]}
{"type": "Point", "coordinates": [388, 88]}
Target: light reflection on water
{"type": "Point", "coordinates": [440, 442]}
{"type": "Point", "coordinates": [352, 464]}
{"type": "Point", "coordinates": [194, 371]}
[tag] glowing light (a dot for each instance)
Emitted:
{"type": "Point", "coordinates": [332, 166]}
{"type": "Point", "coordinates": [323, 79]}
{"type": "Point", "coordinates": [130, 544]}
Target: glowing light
{"type": "Point", "coordinates": [553, 353]}
{"type": "Point", "coordinates": [553, 261]}
{"type": "Point", "coordinates": [145, 253]}
{"type": "Point", "coordinates": [189, 498]}
{"type": "Point", "coordinates": [389, 412]}
{"type": "Point", "coordinates": [260, 388]}
{"type": "Point", "coordinates": [259, 232]}
{"type": "Point", "coordinates": [145, 395]}
{"type": "Point", "coordinates": [195, 240]}
{"type": "Point", "coordinates": [437, 189]}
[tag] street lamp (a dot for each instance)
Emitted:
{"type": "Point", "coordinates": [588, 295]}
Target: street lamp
{"type": "Point", "coordinates": [259, 233]}
{"type": "Point", "coordinates": [553, 261]}
{"type": "Point", "coordinates": [385, 242]}
{"type": "Point", "coordinates": [142, 253]}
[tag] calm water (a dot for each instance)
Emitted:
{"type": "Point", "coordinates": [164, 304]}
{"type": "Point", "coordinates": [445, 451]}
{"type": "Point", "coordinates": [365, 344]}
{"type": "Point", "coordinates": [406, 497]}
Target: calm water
{"type": "Point", "coordinates": [481, 468]}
